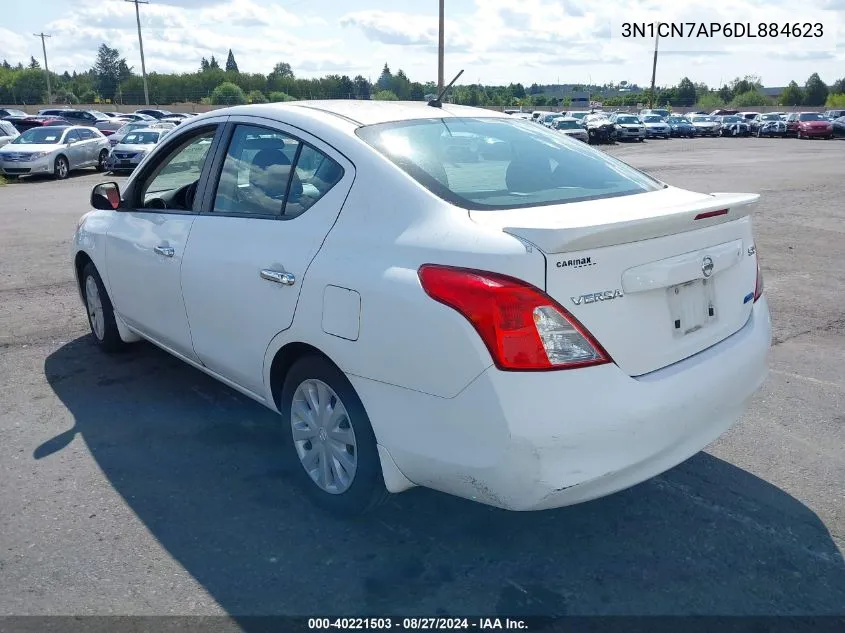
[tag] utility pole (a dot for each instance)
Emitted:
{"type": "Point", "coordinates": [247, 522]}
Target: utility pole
{"type": "Point", "coordinates": [46, 69]}
{"type": "Point", "coordinates": [141, 45]}
{"type": "Point", "coordinates": [654, 66]}
{"type": "Point", "coordinates": [441, 47]}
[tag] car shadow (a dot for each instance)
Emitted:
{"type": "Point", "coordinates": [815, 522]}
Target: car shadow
{"type": "Point", "coordinates": [204, 469]}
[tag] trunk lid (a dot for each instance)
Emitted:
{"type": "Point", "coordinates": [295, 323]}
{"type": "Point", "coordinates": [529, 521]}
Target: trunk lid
{"type": "Point", "coordinates": [651, 282]}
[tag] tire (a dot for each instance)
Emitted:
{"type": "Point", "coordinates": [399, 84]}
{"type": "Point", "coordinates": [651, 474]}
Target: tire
{"type": "Point", "coordinates": [101, 160]}
{"type": "Point", "coordinates": [363, 490]}
{"type": "Point", "coordinates": [61, 168]}
{"type": "Point", "coordinates": [103, 325]}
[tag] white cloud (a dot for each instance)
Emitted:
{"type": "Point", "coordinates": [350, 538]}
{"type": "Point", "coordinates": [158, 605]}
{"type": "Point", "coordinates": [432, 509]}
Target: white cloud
{"type": "Point", "coordinates": [495, 41]}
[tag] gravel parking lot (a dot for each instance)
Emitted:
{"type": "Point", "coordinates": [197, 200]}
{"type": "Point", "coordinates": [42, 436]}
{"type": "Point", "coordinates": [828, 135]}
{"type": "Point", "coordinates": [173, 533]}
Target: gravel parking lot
{"type": "Point", "coordinates": [137, 485]}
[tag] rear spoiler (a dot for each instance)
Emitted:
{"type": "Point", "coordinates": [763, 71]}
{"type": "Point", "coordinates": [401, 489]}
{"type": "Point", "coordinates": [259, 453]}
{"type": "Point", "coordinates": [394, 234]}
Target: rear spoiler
{"type": "Point", "coordinates": [725, 207]}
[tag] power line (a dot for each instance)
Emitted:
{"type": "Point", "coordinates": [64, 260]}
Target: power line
{"type": "Point", "coordinates": [46, 68]}
{"type": "Point", "coordinates": [141, 46]}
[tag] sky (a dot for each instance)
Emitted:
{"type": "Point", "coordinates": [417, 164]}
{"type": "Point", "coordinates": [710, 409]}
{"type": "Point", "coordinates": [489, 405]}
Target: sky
{"type": "Point", "coordinates": [493, 41]}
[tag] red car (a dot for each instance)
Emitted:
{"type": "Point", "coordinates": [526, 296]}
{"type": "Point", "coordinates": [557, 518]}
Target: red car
{"type": "Point", "coordinates": [808, 125]}
{"type": "Point", "coordinates": [26, 123]}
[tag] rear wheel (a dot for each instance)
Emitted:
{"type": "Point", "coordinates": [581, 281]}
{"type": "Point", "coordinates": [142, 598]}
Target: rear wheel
{"type": "Point", "coordinates": [331, 439]}
{"type": "Point", "coordinates": [61, 168]}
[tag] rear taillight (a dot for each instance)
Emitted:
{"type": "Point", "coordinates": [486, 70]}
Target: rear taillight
{"type": "Point", "coordinates": [523, 328]}
{"type": "Point", "coordinates": [758, 288]}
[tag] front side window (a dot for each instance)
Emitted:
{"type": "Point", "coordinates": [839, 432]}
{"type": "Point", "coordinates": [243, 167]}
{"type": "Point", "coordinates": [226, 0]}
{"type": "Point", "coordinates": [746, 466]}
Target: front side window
{"type": "Point", "coordinates": [72, 136]}
{"type": "Point", "coordinates": [173, 182]}
{"type": "Point", "coordinates": [516, 165]}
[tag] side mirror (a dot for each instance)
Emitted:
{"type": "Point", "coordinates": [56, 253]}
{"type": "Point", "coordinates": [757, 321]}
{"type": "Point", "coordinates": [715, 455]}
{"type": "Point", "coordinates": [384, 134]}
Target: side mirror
{"type": "Point", "coordinates": [106, 196]}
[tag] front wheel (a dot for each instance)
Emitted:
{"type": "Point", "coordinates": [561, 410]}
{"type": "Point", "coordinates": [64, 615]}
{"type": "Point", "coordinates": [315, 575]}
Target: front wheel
{"type": "Point", "coordinates": [100, 311]}
{"type": "Point", "coordinates": [61, 169]}
{"type": "Point", "coordinates": [101, 160]}
{"type": "Point", "coordinates": [331, 438]}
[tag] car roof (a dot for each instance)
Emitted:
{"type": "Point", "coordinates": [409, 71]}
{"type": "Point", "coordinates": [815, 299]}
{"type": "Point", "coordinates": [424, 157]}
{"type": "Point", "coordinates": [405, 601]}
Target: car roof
{"type": "Point", "coordinates": [367, 112]}
{"type": "Point", "coordinates": [147, 129]}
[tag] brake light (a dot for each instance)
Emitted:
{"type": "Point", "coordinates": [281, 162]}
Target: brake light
{"type": "Point", "coordinates": [758, 288]}
{"type": "Point", "coordinates": [523, 328]}
{"type": "Point", "coordinates": [711, 214]}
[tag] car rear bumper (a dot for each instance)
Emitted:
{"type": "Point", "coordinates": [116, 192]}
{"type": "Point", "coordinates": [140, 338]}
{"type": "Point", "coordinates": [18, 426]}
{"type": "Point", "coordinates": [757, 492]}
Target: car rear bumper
{"type": "Point", "coordinates": [532, 441]}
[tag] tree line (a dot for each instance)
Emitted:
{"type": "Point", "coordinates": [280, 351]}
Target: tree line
{"type": "Point", "coordinates": [112, 80]}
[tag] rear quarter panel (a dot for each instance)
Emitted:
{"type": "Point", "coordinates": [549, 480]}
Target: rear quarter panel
{"type": "Point", "coordinates": [388, 228]}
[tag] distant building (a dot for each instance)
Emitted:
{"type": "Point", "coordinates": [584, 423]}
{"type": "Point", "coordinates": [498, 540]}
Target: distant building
{"type": "Point", "coordinates": [774, 93]}
{"type": "Point", "coordinates": [579, 100]}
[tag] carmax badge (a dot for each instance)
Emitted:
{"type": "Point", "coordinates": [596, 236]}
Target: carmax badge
{"type": "Point", "coordinates": [607, 295]}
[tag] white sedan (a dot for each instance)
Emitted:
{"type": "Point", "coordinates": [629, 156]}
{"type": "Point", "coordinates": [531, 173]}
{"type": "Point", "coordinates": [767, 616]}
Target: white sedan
{"type": "Point", "coordinates": [529, 324]}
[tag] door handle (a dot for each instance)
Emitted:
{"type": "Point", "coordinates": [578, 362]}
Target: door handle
{"type": "Point", "coordinates": [167, 251]}
{"type": "Point", "coordinates": [286, 279]}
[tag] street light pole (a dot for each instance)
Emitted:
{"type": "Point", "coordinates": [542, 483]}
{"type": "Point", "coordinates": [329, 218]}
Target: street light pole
{"type": "Point", "coordinates": [654, 66]}
{"type": "Point", "coordinates": [441, 47]}
{"type": "Point", "coordinates": [141, 46]}
{"type": "Point", "coordinates": [46, 68]}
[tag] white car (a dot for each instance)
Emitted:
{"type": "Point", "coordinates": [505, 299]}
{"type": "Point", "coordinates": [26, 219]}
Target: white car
{"type": "Point", "coordinates": [55, 150]}
{"type": "Point", "coordinates": [8, 133]}
{"type": "Point", "coordinates": [571, 128]}
{"type": "Point", "coordinates": [538, 326]}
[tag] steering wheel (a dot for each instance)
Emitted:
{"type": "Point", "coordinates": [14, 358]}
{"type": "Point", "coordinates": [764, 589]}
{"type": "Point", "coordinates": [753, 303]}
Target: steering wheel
{"type": "Point", "coordinates": [156, 203]}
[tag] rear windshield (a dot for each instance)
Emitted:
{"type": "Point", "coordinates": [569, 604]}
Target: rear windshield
{"type": "Point", "coordinates": [506, 164]}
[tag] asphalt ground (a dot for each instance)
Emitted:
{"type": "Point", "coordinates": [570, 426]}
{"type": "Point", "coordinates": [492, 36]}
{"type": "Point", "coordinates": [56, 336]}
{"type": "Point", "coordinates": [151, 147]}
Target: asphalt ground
{"type": "Point", "coordinates": [136, 485]}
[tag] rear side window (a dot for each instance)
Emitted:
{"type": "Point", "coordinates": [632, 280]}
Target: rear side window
{"type": "Point", "coordinates": [479, 163]}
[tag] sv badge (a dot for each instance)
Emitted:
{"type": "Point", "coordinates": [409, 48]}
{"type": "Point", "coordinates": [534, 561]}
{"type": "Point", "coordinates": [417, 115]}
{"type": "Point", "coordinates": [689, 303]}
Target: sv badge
{"type": "Point", "coordinates": [607, 295]}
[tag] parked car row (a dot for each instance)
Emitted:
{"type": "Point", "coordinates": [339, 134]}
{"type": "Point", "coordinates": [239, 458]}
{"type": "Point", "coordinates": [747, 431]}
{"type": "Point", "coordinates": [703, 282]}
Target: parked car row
{"type": "Point", "coordinates": [660, 123]}
{"type": "Point", "coordinates": [57, 141]}
{"type": "Point", "coordinates": [59, 149]}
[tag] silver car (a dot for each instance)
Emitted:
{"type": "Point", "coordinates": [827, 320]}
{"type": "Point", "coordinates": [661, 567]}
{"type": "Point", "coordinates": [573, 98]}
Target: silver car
{"type": "Point", "coordinates": [656, 126]}
{"type": "Point", "coordinates": [628, 127]}
{"type": "Point", "coordinates": [117, 137]}
{"type": "Point", "coordinates": [706, 125]}
{"type": "Point", "coordinates": [571, 127]}
{"type": "Point", "coordinates": [8, 133]}
{"type": "Point", "coordinates": [54, 150]}
{"type": "Point", "coordinates": [133, 148]}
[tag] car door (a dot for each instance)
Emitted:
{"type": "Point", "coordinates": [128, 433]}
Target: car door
{"type": "Point", "coordinates": [146, 240]}
{"type": "Point", "coordinates": [275, 195]}
{"type": "Point", "coordinates": [74, 149]}
{"type": "Point", "coordinates": [89, 145]}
